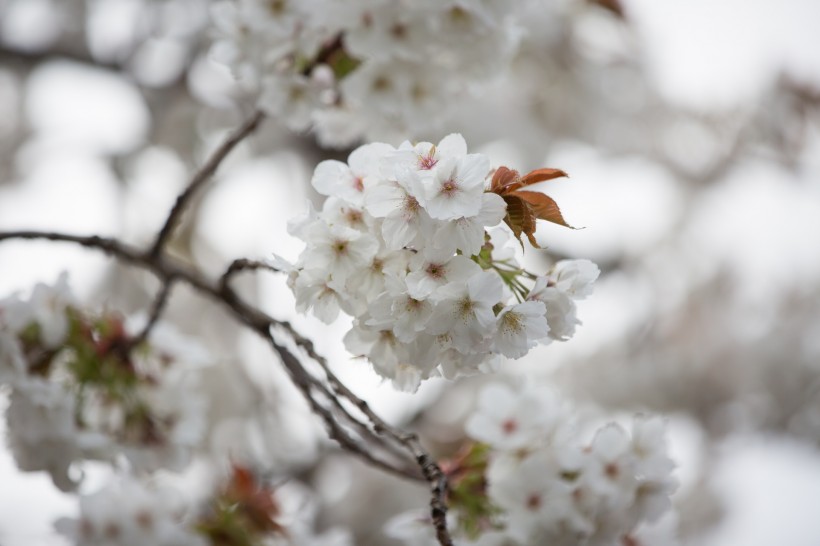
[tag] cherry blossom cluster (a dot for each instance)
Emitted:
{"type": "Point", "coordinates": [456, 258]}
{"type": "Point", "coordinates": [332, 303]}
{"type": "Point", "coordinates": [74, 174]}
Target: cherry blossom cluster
{"type": "Point", "coordinates": [374, 68]}
{"type": "Point", "coordinates": [241, 511]}
{"type": "Point", "coordinates": [532, 479]}
{"type": "Point", "coordinates": [401, 245]}
{"type": "Point", "coordinates": [80, 391]}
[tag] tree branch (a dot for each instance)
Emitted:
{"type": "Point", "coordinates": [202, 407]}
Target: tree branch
{"type": "Point", "coordinates": [200, 177]}
{"type": "Point", "coordinates": [244, 264]}
{"type": "Point", "coordinates": [157, 308]}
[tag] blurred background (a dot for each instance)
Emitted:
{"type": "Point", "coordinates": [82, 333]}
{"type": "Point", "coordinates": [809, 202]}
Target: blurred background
{"type": "Point", "coordinates": [691, 134]}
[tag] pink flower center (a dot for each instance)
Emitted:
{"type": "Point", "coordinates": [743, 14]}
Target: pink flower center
{"type": "Point", "coordinates": [449, 188]}
{"type": "Point", "coordinates": [411, 205]}
{"type": "Point", "coordinates": [340, 247]}
{"type": "Point", "coordinates": [436, 271]}
{"type": "Point", "coordinates": [427, 162]}
{"type": "Point", "coordinates": [611, 470]}
{"type": "Point", "coordinates": [509, 426]}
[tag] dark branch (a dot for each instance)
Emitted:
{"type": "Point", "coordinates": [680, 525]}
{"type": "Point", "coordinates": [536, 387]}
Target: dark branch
{"type": "Point", "coordinates": [243, 264]}
{"type": "Point", "coordinates": [157, 308]}
{"type": "Point", "coordinates": [429, 468]}
{"type": "Point", "coordinates": [199, 179]}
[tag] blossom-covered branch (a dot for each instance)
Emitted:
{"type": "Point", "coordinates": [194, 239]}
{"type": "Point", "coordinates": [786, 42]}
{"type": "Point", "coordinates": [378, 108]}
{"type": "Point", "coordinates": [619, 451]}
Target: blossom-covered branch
{"type": "Point", "coordinates": [418, 464]}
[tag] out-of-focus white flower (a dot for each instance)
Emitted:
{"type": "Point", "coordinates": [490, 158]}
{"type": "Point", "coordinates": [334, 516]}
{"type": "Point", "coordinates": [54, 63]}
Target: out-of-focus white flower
{"type": "Point", "coordinates": [297, 514]}
{"type": "Point", "coordinates": [42, 433]}
{"type": "Point", "coordinates": [385, 68]}
{"type": "Point", "coordinates": [129, 513]}
{"type": "Point", "coordinates": [532, 493]}
{"type": "Point", "coordinates": [534, 480]}
{"type": "Point", "coordinates": [509, 420]}
{"type": "Point", "coordinates": [48, 306]}
{"type": "Point", "coordinates": [12, 361]}
{"type": "Point", "coordinates": [85, 398]}
{"type": "Point", "coordinates": [575, 277]}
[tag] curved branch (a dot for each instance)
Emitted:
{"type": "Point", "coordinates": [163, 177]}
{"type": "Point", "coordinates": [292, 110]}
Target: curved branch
{"type": "Point", "coordinates": [200, 177]}
{"type": "Point", "coordinates": [160, 301]}
{"type": "Point", "coordinates": [244, 264]}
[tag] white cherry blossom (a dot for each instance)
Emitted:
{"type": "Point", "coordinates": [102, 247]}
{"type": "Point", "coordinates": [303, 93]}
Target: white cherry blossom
{"type": "Point", "coordinates": [456, 187]}
{"type": "Point", "coordinates": [466, 234]}
{"type": "Point", "coordinates": [430, 289]}
{"type": "Point", "coordinates": [575, 277]}
{"type": "Point", "coordinates": [465, 310]}
{"type": "Point", "coordinates": [347, 180]}
{"type": "Point", "coordinates": [339, 250]}
{"type": "Point", "coordinates": [433, 269]}
{"type": "Point", "coordinates": [405, 220]}
{"type": "Point", "coordinates": [520, 327]}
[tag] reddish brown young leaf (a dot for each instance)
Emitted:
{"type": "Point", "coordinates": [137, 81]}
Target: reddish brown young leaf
{"type": "Point", "coordinates": [520, 218]}
{"type": "Point", "coordinates": [543, 206]}
{"type": "Point", "coordinates": [516, 213]}
{"type": "Point", "coordinates": [523, 207]}
{"type": "Point", "coordinates": [503, 177]}
{"type": "Point", "coordinates": [541, 175]}
{"type": "Point", "coordinates": [255, 500]}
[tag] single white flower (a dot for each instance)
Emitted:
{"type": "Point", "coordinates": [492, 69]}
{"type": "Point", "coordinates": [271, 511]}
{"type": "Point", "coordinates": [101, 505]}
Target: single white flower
{"type": "Point", "coordinates": [510, 419]}
{"type": "Point", "coordinates": [520, 328]}
{"type": "Point", "coordinates": [389, 33]}
{"type": "Point", "coordinates": [610, 471]}
{"type": "Point", "coordinates": [532, 493]}
{"type": "Point", "coordinates": [293, 97]}
{"type": "Point", "coordinates": [338, 250]}
{"type": "Point", "coordinates": [407, 315]}
{"type": "Point", "coordinates": [561, 309]}
{"type": "Point", "coordinates": [425, 156]}
{"type": "Point", "coordinates": [575, 277]}
{"type": "Point", "coordinates": [404, 218]}
{"type": "Point", "coordinates": [369, 282]}
{"type": "Point", "coordinates": [465, 310]}
{"type": "Point", "coordinates": [317, 290]}
{"type": "Point", "coordinates": [433, 268]}
{"type": "Point", "coordinates": [466, 234]}
{"type": "Point", "coordinates": [348, 180]}
{"type": "Point", "coordinates": [456, 187]}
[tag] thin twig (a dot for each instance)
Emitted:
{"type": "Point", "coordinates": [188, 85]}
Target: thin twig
{"type": "Point", "coordinates": [429, 468]}
{"type": "Point", "coordinates": [244, 264]}
{"type": "Point", "coordinates": [200, 177]}
{"type": "Point", "coordinates": [305, 382]}
{"type": "Point", "coordinates": [157, 308]}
